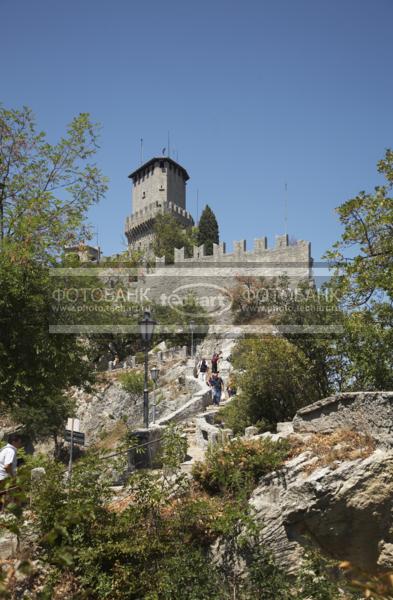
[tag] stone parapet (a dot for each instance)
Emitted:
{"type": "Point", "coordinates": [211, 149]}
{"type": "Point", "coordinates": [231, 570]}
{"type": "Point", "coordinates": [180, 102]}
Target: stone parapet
{"type": "Point", "coordinates": [149, 212]}
{"type": "Point", "coordinates": [368, 412]}
{"type": "Point", "coordinates": [282, 252]}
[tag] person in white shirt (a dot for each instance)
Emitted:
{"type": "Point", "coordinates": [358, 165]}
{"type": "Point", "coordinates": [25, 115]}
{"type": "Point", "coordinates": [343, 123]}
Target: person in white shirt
{"type": "Point", "coordinates": [8, 456]}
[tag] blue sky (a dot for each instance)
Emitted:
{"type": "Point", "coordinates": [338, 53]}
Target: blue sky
{"type": "Point", "coordinates": [255, 94]}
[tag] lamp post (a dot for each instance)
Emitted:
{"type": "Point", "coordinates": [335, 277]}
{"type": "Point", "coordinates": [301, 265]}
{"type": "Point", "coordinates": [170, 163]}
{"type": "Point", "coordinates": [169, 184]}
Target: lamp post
{"type": "Point", "coordinates": [147, 329]}
{"type": "Point", "coordinates": [154, 373]}
{"type": "Point", "coordinates": [192, 329]}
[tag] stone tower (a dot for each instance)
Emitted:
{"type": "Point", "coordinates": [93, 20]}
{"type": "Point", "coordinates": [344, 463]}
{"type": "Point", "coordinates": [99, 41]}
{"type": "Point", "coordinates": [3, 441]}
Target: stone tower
{"type": "Point", "coordinates": [159, 186]}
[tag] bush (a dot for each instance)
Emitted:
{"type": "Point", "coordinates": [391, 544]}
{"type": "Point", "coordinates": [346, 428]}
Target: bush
{"type": "Point", "coordinates": [275, 379]}
{"type": "Point", "coordinates": [155, 542]}
{"type": "Point", "coordinates": [234, 467]}
{"type": "Point", "coordinates": [133, 382]}
{"type": "Point", "coordinates": [139, 358]}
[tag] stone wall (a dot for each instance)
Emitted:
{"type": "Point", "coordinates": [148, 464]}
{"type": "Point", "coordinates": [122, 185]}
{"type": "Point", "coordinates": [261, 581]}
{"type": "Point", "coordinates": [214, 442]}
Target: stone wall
{"type": "Point", "coordinates": [211, 278]}
{"type": "Point", "coordinates": [149, 442]}
{"type": "Point", "coordinates": [368, 412]}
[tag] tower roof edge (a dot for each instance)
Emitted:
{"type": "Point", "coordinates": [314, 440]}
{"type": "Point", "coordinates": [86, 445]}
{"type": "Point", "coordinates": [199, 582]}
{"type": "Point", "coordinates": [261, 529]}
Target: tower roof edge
{"type": "Point", "coordinates": [159, 158]}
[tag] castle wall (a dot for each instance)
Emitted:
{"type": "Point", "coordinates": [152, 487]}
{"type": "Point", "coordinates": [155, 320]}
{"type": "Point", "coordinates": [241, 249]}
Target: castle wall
{"type": "Point", "coordinates": [211, 278]}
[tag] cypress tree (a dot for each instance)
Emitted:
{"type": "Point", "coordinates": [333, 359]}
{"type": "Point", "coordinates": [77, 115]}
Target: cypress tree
{"type": "Point", "coordinates": [208, 230]}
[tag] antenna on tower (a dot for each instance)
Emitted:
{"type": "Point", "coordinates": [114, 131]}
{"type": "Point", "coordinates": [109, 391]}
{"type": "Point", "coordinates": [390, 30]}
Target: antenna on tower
{"type": "Point", "coordinates": [197, 203]}
{"type": "Point", "coordinates": [169, 146]}
{"type": "Point", "coordinates": [141, 150]}
{"type": "Point", "coordinates": [286, 210]}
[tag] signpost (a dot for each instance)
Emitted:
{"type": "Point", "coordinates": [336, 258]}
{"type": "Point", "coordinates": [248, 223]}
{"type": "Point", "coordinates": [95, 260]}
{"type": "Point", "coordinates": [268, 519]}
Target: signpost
{"type": "Point", "coordinates": [73, 436]}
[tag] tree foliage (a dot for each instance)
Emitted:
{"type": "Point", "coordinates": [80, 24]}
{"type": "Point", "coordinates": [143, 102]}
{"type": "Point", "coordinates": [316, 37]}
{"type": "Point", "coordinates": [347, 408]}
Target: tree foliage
{"type": "Point", "coordinates": [363, 257]}
{"type": "Point", "coordinates": [275, 378]}
{"type": "Point", "coordinates": [168, 235]}
{"type": "Point", "coordinates": [44, 194]}
{"type": "Point", "coordinates": [45, 189]}
{"type": "Point", "coordinates": [363, 281]}
{"type": "Point", "coordinates": [208, 233]}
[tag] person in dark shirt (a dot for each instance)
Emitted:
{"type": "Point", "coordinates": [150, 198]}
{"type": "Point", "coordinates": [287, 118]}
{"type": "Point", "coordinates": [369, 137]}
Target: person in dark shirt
{"type": "Point", "coordinates": [203, 369]}
{"type": "Point", "coordinates": [217, 384]}
{"type": "Point", "coordinates": [215, 359]}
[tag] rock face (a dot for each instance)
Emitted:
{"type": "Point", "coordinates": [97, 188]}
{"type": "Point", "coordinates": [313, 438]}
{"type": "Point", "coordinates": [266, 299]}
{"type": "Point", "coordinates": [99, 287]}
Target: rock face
{"type": "Point", "coordinates": [344, 509]}
{"type": "Point", "coordinates": [100, 411]}
{"type": "Point", "coordinates": [110, 403]}
{"type": "Point", "coordinates": [346, 512]}
{"type": "Point", "coordinates": [369, 412]}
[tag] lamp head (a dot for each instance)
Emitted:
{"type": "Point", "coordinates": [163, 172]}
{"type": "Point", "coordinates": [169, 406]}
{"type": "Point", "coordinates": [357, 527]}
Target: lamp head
{"type": "Point", "coordinates": [147, 326]}
{"type": "Point", "coordinates": [155, 373]}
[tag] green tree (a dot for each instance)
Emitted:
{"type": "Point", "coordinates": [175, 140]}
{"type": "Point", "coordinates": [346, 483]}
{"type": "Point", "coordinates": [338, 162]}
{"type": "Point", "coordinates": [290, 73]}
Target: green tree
{"type": "Point", "coordinates": [208, 233]}
{"type": "Point", "coordinates": [362, 262]}
{"type": "Point", "coordinates": [45, 190]}
{"type": "Point", "coordinates": [363, 257]}
{"type": "Point", "coordinates": [275, 380]}
{"type": "Point", "coordinates": [168, 235]}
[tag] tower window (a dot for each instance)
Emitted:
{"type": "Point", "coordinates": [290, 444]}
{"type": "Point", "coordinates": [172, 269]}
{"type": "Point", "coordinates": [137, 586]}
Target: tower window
{"type": "Point", "coordinates": [162, 166]}
{"type": "Point", "coordinates": [143, 194]}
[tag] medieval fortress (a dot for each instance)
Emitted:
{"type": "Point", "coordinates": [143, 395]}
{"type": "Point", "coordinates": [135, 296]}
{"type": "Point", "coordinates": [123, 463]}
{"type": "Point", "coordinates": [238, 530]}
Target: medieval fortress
{"type": "Point", "coordinates": [159, 186]}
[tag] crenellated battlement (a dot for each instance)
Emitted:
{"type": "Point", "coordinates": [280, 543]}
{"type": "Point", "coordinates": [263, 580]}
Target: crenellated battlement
{"type": "Point", "coordinates": [152, 210]}
{"type": "Point", "coordinates": [159, 187]}
{"type": "Point", "coordinates": [283, 251]}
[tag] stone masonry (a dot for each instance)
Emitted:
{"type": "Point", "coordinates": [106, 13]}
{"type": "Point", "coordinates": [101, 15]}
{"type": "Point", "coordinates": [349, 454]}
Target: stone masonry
{"type": "Point", "coordinates": [211, 279]}
{"type": "Point", "coordinates": [159, 186]}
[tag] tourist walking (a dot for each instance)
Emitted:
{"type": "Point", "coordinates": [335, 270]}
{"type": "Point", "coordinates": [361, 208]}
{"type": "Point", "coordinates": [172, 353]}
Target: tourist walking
{"type": "Point", "coordinates": [203, 369]}
{"type": "Point", "coordinates": [217, 384]}
{"type": "Point", "coordinates": [215, 359]}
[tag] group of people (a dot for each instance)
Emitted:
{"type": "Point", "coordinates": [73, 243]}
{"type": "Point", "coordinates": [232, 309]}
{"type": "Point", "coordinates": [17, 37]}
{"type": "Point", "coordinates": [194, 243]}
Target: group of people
{"type": "Point", "coordinates": [215, 381]}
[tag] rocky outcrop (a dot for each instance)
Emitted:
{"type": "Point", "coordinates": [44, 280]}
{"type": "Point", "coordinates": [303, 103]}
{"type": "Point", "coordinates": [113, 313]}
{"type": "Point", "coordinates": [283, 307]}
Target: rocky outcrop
{"type": "Point", "coordinates": [341, 506]}
{"type": "Point", "coordinates": [369, 412]}
{"type": "Point", "coordinates": [345, 512]}
{"type": "Point", "coordinates": [99, 411]}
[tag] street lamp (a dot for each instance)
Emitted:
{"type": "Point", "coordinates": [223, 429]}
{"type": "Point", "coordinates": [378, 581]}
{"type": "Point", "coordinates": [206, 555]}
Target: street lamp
{"type": "Point", "coordinates": [154, 373]}
{"type": "Point", "coordinates": [192, 329]}
{"type": "Point", "coordinates": [147, 329]}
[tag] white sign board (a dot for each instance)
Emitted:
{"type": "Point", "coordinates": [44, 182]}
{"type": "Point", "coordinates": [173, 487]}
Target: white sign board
{"type": "Point", "coordinates": [75, 426]}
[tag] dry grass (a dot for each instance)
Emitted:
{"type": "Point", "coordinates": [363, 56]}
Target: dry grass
{"type": "Point", "coordinates": [111, 439]}
{"type": "Point", "coordinates": [376, 587]}
{"type": "Point", "coordinates": [334, 448]}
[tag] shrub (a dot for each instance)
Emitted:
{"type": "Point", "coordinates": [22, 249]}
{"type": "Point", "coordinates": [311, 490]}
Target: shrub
{"type": "Point", "coordinates": [132, 382]}
{"type": "Point", "coordinates": [275, 379]}
{"type": "Point", "coordinates": [139, 358]}
{"type": "Point", "coordinates": [234, 467]}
